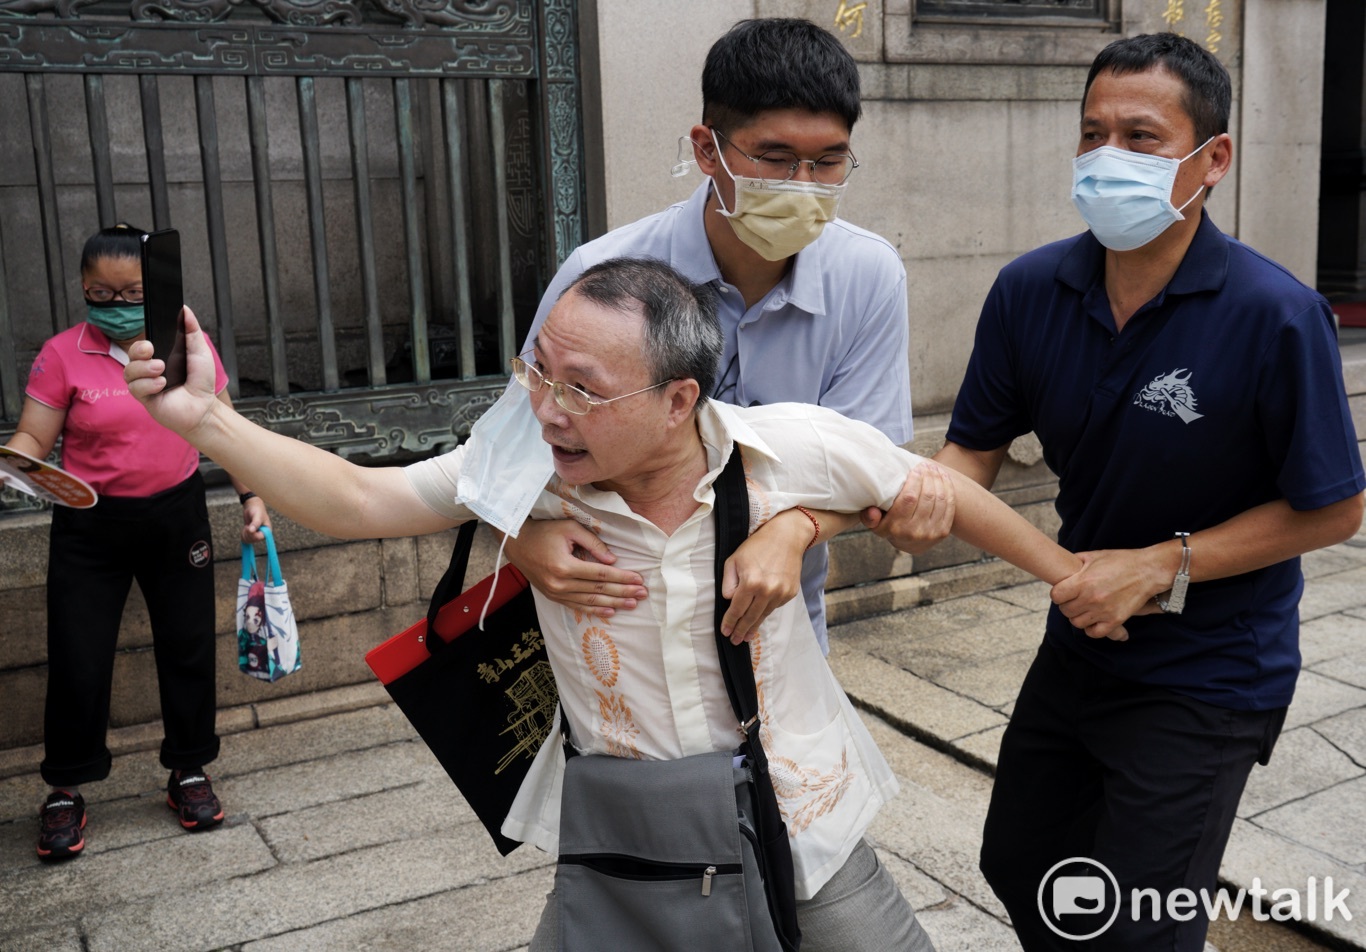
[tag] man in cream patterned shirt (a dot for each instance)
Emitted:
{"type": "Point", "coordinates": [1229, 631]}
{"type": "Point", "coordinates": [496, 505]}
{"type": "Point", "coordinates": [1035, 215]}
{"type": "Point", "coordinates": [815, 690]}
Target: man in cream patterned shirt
{"type": "Point", "coordinates": [630, 449]}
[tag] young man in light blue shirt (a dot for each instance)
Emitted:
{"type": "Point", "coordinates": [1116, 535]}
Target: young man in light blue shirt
{"type": "Point", "coordinates": [813, 309]}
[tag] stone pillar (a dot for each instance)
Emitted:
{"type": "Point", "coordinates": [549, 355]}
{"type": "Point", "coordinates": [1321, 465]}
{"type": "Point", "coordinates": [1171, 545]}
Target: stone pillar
{"type": "Point", "coordinates": [1278, 150]}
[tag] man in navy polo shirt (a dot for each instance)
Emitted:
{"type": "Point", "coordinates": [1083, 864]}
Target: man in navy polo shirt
{"type": "Point", "coordinates": [1188, 393]}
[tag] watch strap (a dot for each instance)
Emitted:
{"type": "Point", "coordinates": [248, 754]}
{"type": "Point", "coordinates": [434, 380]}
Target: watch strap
{"type": "Point", "coordinates": [1176, 600]}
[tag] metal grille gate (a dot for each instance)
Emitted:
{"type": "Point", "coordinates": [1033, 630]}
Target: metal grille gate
{"type": "Point", "coordinates": [370, 193]}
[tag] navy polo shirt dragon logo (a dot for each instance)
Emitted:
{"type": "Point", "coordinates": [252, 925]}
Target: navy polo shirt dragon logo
{"type": "Point", "coordinates": [1170, 395]}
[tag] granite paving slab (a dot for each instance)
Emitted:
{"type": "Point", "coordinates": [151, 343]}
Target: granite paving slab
{"type": "Point", "coordinates": [105, 883]}
{"type": "Point", "coordinates": [1332, 821]}
{"type": "Point", "coordinates": [1318, 697]}
{"type": "Point", "coordinates": [45, 939]}
{"type": "Point", "coordinates": [1347, 732]}
{"type": "Point", "coordinates": [486, 916]}
{"type": "Point", "coordinates": [984, 747]}
{"type": "Point", "coordinates": [907, 700]}
{"type": "Point", "coordinates": [1303, 763]}
{"type": "Point", "coordinates": [1333, 593]}
{"type": "Point", "coordinates": [110, 825]}
{"type": "Point", "coordinates": [920, 890]}
{"type": "Point", "coordinates": [1330, 637]}
{"type": "Point", "coordinates": [406, 813]}
{"type": "Point", "coordinates": [1032, 596]}
{"type": "Point", "coordinates": [935, 822]}
{"type": "Point", "coordinates": [1330, 561]}
{"type": "Point", "coordinates": [1275, 862]}
{"type": "Point", "coordinates": [325, 779]}
{"type": "Point", "coordinates": [1348, 668]}
{"type": "Point", "coordinates": [932, 656]}
{"type": "Point", "coordinates": [290, 897]}
{"type": "Point", "coordinates": [891, 631]}
{"type": "Point", "coordinates": [994, 683]}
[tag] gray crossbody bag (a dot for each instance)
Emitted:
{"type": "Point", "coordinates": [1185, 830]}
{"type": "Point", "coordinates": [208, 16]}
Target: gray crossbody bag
{"type": "Point", "coordinates": [688, 854]}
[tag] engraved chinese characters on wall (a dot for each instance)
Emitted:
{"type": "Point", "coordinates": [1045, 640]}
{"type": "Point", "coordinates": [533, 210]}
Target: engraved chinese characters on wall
{"type": "Point", "coordinates": [1203, 23]}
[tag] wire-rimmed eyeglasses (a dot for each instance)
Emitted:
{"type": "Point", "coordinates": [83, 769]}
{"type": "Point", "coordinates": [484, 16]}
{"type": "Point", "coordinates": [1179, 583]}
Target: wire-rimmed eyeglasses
{"type": "Point", "coordinates": [779, 166]}
{"type": "Point", "coordinates": [570, 399]}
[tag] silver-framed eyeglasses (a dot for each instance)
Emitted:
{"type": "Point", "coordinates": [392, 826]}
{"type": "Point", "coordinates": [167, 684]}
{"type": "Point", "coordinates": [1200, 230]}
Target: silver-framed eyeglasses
{"type": "Point", "coordinates": [570, 399]}
{"type": "Point", "coordinates": [779, 166]}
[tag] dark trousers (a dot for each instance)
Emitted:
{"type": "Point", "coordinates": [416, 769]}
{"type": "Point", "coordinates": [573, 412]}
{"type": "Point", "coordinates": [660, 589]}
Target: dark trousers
{"type": "Point", "coordinates": [1140, 779]}
{"type": "Point", "coordinates": [163, 542]}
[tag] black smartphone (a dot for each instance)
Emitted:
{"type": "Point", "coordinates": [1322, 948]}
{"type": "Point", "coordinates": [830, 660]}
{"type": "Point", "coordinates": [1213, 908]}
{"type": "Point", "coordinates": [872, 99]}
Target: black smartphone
{"type": "Point", "coordinates": [163, 301]}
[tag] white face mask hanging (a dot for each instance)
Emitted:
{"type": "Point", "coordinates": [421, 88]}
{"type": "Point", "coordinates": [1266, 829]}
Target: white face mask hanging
{"type": "Point", "coordinates": [1125, 197]}
{"type": "Point", "coordinates": [778, 219]}
{"type": "Point", "coordinates": [499, 494]}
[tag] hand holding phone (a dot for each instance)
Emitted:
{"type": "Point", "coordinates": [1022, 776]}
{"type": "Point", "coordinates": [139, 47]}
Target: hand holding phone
{"type": "Point", "coordinates": [163, 297]}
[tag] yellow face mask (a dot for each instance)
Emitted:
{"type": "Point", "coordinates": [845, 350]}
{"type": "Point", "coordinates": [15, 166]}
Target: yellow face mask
{"type": "Point", "coordinates": [778, 219]}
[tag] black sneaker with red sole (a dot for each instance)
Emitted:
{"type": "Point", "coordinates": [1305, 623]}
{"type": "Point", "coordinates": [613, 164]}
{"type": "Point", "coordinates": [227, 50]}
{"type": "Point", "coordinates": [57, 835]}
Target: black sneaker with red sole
{"type": "Point", "coordinates": [189, 793]}
{"type": "Point", "coordinates": [60, 824]}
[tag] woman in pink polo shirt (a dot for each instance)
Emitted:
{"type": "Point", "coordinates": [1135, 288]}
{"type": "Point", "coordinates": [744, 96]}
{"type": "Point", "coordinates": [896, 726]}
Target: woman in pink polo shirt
{"type": "Point", "coordinates": [151, 524]}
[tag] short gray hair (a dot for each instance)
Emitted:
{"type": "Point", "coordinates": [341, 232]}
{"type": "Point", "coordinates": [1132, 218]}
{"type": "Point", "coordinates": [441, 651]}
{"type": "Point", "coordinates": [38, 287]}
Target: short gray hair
{"type": "Point", "coordinates": [682, 333]}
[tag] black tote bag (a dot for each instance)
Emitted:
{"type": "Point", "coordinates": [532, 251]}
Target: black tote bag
{"type": "Point", "coordinates": [482, 700]}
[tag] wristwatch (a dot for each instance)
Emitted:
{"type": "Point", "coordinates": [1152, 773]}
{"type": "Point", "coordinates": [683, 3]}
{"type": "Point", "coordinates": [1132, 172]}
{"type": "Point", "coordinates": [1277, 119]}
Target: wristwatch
{"type": "Point", "coordinates": [1176, 599]}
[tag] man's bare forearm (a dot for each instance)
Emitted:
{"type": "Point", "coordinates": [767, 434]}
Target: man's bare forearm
{"type": "Point", "coordinates": [981, 466]}
{"type": "Point", "coordinates": [988, 523]}
{"type": "Point", "coordinates": [1251, 540]}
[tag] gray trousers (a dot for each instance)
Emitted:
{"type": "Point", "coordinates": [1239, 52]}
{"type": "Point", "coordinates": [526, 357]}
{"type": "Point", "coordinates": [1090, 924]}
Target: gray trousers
{"type": "Point", "coordinates": [859, 910]}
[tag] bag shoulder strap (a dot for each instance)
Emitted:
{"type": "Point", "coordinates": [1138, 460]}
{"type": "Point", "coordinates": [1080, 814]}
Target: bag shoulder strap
{"type": "Point", "coordinates": [732, 528]}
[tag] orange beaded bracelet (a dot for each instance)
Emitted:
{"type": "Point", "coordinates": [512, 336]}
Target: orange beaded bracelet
{"type": "Point", "coordinates": [814, 521]}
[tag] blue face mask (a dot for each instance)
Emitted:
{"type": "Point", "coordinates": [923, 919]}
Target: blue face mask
{"type": "Point", "coordinates": [118, 321]}
{"type": "Point", "coordinates": [1125, 197]}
